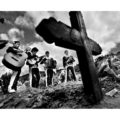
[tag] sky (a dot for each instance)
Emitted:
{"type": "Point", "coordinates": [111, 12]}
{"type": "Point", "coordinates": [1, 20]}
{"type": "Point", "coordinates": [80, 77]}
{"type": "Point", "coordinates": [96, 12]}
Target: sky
{"type": "Point", "coordinates": [103, 27]}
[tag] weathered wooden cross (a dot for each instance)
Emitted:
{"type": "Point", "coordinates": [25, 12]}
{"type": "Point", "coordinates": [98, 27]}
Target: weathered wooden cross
{"type": "Point", "coordinates": [75, 37]}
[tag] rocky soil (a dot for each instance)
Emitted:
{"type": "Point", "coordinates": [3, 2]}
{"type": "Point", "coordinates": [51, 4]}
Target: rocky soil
{"type": "Point", "coordinates": [62, 96]}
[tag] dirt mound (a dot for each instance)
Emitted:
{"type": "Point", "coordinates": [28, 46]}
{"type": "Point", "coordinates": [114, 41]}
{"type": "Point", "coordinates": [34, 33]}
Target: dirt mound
{"type": "Point", "coordinates": [70, 95]}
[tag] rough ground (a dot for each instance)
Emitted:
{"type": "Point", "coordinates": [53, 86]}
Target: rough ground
{"type": "Point", "coordinates": [60, 96]}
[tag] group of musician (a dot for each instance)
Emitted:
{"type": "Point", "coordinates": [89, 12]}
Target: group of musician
{"type": "Point", "coordinates": [33, 61]}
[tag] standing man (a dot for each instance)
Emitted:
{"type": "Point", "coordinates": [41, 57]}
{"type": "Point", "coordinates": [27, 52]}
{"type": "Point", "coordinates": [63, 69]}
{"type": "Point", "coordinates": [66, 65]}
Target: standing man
{"type": "Point", "coordinates": [68, 65]}
{"type": "Point", "coordinates": [50, 64]}
{"type": "Point", "coordinates": [32, 62]}
{"type": "Point", "coordinates": [16, 72]}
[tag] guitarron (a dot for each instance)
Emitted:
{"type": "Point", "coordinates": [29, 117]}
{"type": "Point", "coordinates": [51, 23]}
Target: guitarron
{"type": "Point", "coordinates": [14, 62]}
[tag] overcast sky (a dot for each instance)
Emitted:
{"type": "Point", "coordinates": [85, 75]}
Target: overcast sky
{"type": "Point", "coordinates": [103, 27]}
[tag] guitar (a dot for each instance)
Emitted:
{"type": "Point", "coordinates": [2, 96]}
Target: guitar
{"type": "Point", "coordinates": [11, 60]}
{"type": "Point", "coordinates": [33, 61]}
{"type": "Point", "coordinates": [16, 60]}
{"type": "Point", "coordinates": [40, 60]}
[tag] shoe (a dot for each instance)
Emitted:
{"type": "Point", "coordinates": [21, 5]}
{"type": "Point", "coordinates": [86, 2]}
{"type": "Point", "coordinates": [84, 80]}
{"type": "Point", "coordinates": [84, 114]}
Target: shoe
{"type": "Point", "coordinates": [11, 90]}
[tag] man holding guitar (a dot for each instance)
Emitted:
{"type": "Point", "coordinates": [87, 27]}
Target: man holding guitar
{"type": "Point", "coordinates": [15, 51]}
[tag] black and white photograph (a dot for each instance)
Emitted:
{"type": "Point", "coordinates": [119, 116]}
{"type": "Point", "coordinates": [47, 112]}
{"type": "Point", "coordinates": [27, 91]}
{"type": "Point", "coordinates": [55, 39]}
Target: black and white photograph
{"type": "Point", "coordinates": [59, 59]}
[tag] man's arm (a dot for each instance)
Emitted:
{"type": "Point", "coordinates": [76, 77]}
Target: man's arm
{"type": "Point", "coordinates": [73, 59]}
{"type": "Point", "coordinates": [64, 62]}
{"type": "Point", "coordinates": [42, 59]}
{"type": "Point", "coordinates": [11, 50]}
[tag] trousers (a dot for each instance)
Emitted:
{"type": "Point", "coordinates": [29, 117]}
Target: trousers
{"type": "Point", "coordinates": [14, 79]}
{"type": "Point", "coordinates": [68, 70]}
{"type": "Point", "coordinates": [49, 76]}
{"type": "Point", "coordinates": [35, 77]}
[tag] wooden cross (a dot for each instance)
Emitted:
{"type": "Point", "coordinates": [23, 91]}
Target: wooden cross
{"type": "Point", "coordinates": [75, 37]}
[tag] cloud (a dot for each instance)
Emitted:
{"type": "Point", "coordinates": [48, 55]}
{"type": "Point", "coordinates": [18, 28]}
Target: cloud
{"type": "Point", "coordinates": [106, 48]}
{"type": "Point", "coordinates": [103, 27]}
{"type": "Point", "coordinates": [39, 37]}
{"type": "Point", "coordinates": [62, 16]}
{"type": "Point", "coordinates": [39, 16]}
{"type": "Point", "coordinates": [4, 36]}
{"type": "Point", "coordinates": [24, 21]}
{"type": "Point", "coordinates": [11, 35]}
{"type": "Point", "coordinates": [15, 34]}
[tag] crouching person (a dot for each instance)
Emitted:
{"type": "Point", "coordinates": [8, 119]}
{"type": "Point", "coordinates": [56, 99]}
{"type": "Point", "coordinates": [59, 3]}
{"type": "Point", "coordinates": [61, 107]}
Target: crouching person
{"type": "Point", "coordinates": [34, 73]}
{"type": "Point", "coordinates": [106, 67]}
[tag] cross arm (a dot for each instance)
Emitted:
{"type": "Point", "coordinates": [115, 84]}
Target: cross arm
{"type": "Point", "coordinates": [64, 36]}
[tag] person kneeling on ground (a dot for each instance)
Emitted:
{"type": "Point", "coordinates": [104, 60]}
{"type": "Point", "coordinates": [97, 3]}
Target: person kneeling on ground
{"type": "Point", "coordinates": [107, 67]}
